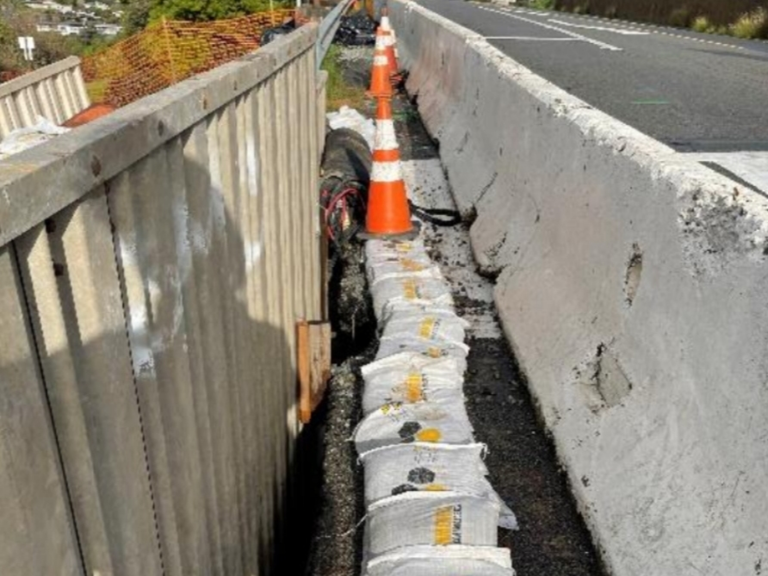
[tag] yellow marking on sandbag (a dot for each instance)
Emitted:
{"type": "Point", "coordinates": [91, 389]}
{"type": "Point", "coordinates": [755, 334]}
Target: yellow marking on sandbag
{"type": "Point", "coordinates": [414, 387]}
{"type": "Point", "coordinates": [411, 265]}
{"type": "Point", "coordinates": [443, 525]}
{"type": "Point", "coordinates": [434, 352]}
{"type": "Point", "coordinates": [427, 327]}
{"type": "Point", "coordinates": [410, 289]}
{"type": "Point", "coordinates": [404, 247]}
{"type": "Point", "coordinates": [435, 488]}
{"type": "Point", "coordinates": [429, 435]}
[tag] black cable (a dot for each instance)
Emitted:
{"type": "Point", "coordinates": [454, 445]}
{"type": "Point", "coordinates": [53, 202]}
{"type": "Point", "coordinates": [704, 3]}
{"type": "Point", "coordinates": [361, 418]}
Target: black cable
{"type": "Point", "coordinates": [437, 216]}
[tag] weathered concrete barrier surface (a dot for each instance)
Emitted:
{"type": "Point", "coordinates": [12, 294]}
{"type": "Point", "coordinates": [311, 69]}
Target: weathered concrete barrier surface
{"type": "Point", "coordinates": [632, 286]}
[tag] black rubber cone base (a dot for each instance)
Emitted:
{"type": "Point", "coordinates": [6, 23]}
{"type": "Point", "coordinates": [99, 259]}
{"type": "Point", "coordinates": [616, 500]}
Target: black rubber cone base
{"type": "Point", "coordinates": [412, 234]}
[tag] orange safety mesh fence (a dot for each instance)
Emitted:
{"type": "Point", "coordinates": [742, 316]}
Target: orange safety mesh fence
{"type": "Point", "coordinates": [170, 51]}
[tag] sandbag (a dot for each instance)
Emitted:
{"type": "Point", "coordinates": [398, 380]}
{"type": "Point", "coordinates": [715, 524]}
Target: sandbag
{"type": "Point", "coordinates": [431, 519]}
{"type": "Point", "coordinates": [443, 561]}
{"type": "Point", "coordinates": [402, 268]}
{"type": "Point", "coordinates": [443, 420]}
{"type": "Point", "coordinates": [408, 378]}
{"type": "Point", "coordinates": [432, 325]}
{"type": "Point", "coordinates": [394, 294]}
{"type": "Point", "coordinates": [377, 251]}
{"type": "Point", "coordinates": [423, 467]}
{"type": "Point", "coordinates": [384, 265]}
{"type": "Point", "coordinates": [456, 351]}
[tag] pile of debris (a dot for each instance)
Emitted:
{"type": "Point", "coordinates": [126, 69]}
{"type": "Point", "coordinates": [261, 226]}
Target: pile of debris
{"type": "Point", "coordinates": [356, 30]}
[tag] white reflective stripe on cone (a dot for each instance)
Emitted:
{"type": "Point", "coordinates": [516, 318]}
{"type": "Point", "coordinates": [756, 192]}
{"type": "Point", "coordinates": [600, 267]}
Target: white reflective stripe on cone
{"type": "Point", "coordinates": [386, 172]}
{"type": "Point", "coordinates": [380, 60]}
{"type": "Point", "coordinates": [385, 25]}
{"type": "Point", "coordinates": [385, 135]}
{"type": "Point", "coordinates": [381, 42]}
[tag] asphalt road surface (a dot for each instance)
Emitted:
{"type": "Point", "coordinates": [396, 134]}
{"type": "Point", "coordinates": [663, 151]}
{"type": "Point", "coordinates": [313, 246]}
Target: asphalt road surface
{"type": "Point", "coordinates": [697, 93]}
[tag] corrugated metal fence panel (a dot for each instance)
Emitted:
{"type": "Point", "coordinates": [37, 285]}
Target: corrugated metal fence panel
{"type": "Point", "coordinates": [56, 92]}
{"type": "Point", "coordinates": [32, 495]}
{"type": "Point", "coordinates": [163, 302]}
{"type": "Point", "coordinates": [106, 467]}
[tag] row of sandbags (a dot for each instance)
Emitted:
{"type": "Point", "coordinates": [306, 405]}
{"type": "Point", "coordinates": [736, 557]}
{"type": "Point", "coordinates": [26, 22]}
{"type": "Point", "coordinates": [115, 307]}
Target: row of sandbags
{"type": "Point", "coordinates": [430, 508]}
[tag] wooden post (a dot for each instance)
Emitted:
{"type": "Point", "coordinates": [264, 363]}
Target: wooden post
{"type": "Point", "coordinates": [314, 364]}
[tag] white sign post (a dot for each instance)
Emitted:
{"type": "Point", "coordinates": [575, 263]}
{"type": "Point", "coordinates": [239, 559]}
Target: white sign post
{"type": "Point", "coordinates": [27, 45]}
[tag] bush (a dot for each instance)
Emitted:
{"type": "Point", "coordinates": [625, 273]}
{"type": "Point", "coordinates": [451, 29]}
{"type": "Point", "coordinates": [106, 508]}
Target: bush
{"type": "Point", "coordinates": [751, 25]}
{"type": "Point", "coordinates": [702, 24]}
{"type": "Point", "coordinates": [680, 17]}
{"type": "Point", "coordinates": [542, 4]}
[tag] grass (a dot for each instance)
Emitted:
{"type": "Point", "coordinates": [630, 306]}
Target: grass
{"type": "Point", "coordinates": [751, 25]}
{"type": "Point", "coordinates": [704, 25]}
{"type": "Point", "coordinates": [338, 91]}
{"type": "Point", "coordinates": [96, 90]}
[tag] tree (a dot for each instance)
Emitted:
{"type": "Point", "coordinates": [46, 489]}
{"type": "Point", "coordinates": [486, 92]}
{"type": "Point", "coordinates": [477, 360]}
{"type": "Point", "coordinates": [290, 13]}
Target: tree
{"type": "Point", "coordinates": [13, 24]}
{"type": "Point", "coordinates": [196, 10]}
{"type": "Point", "coordinates": [139, 13]}
{"type": "Point", "coordinates": [136, 16]}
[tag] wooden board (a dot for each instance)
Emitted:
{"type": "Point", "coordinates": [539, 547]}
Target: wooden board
{"type": "Point", "coordinates": [314, 362]}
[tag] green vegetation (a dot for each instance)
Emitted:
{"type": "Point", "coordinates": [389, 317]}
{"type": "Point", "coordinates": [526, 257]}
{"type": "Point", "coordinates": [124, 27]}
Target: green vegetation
{"type": "Point", "coordinates": [338, 91]}
{"type": "Point", "coordinates": [702, 24]}
{"type": "Point", "coordinates": [96, 90]}
{"type": "Point", "coordinates": [751, 25]}
{"type": "Point", "coordinates": [740, 18]}
{"type": "Point", "coordinates": [139, 13]}
{"type": "Point", "coordinates": [680, 17]}
{"type": "Point", "coordinates": [17, 20]}
{"type": "Point", "coordinates": [542, 4]}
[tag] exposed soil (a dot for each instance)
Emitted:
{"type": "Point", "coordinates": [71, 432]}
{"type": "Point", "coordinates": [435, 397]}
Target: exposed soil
{"type": "Point", "coordinates": [337, 546]}
{"type": "Point", "coordinates": [552, 540]}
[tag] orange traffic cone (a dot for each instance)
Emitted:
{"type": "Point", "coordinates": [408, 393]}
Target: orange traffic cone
{"type": "Point", "coordinates": [389, 215]}
{"type": "Point", "coordinates": [391, 44]}
{"type": "Point", "coordinates": [381, 86]}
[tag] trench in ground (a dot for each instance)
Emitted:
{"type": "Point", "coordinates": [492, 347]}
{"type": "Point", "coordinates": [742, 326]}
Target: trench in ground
{"type": "Point", "coordinates": [524, 469]}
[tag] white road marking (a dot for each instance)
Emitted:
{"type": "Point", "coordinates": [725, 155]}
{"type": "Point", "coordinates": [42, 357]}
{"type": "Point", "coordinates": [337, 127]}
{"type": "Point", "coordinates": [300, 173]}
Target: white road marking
{"type": "Point", "coordinates": [601, 45]}
{"type": "Point", "coordinates": [749, 166]}
{"type": "Point", "coordinates": [623, 31]}
{"type": "Point", "coordinates": [531, 38]}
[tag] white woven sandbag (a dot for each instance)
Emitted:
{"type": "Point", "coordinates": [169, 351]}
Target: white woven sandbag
{"type": "Point", "coordinates": [396, 293]}
{"type": "Point", "coordinates": [423, 467]}
{"type": "Point", "coordinates": [387, 250]}
{"type": "Point", "coordinates": [408, 377]}
{"type": "Point", "coordinates": [443, 561]}
{"type": "Point", "coordinates": [455, 351]}
{"type": "Point", "coordinates": [433, 519]}
{"type": "Point", "coordinates": [444, 420]}
{"type": "Point", "coordinates": [430, 325]}
{"type": "Point", "coordinates": [420, 266]}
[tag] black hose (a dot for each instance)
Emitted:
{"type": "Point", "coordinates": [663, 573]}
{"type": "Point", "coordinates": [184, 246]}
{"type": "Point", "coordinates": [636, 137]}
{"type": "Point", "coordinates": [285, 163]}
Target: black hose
{"type": "Point", "coordinates": [438, 216]}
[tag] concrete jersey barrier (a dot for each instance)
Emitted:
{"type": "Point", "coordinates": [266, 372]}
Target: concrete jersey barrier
{"type": "Point", "coordinates": [631, 285]}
